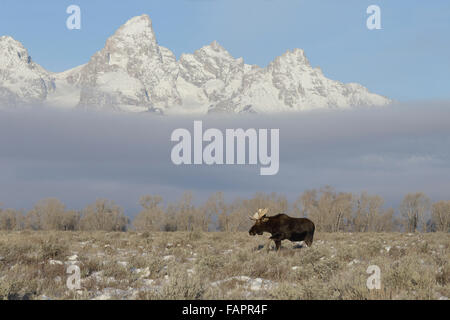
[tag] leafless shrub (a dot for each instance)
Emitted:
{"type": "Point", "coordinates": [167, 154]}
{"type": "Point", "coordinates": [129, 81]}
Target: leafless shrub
{"type": "Point", "coordinates": [104, 215]}
{"type": "Point", "coordinates": [441, 216]}
{"type": "Point", "coordinates": [414, 209]}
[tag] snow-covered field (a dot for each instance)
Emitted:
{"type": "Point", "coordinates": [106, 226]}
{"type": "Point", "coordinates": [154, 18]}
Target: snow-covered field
{"type": "Point", "coordinates": [180, 265]}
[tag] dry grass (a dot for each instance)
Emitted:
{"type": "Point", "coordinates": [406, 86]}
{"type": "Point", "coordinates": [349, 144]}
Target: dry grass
{"type": "Point", "coordinates": [197, 265]}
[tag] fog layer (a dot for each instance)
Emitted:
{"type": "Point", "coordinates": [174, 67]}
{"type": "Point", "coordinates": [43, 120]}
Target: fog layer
{"type": "Point", "coordinates": [80, 156]}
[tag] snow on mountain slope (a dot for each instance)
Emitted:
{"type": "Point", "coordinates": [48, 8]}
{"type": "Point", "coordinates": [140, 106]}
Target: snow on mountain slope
{"type": "Point", "coordinates": [21, 80]}
{"type": "Point", "coordinates": [289, 83]}
{"type": "Point", "coordinates": [67, 89]}
{"type": "Point", "coordinates": [133, 73]}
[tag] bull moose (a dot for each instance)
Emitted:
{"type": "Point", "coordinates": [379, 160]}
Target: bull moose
{"type": "Point", "coordinates": [282, 227]}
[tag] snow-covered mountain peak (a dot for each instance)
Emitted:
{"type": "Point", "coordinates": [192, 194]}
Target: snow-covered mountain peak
{"type": "Point", "coordinates": [12, 52]}
{"type": "Point", "coordinates": [135, 37]}
{"type": "Point", "coordinates": [214, 51]}
{"type": "Point", "coordinates": [137, 26]}
{"type": "Point", "coordinates": [292, 58]}
{"type": "Point", "coordinates": [215, 47]}
{"type": "Point", "coordinates": [134, 73]}
{"type": "Point", "coordinates": [8, 41]}
{"type": "Point", "coordinates": [22, 81]}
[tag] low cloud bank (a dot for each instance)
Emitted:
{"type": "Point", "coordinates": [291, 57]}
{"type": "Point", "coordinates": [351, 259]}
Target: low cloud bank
{"type": "Point", "coordinates": [80, 156]}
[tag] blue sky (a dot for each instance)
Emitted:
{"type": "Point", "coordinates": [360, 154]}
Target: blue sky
{"type": "Point", "coordinates": [409, 59]}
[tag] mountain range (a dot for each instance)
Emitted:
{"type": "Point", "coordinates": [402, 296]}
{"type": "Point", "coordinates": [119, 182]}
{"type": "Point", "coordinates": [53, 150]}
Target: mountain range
{"type": "Point", "coordinates": [134, 73]}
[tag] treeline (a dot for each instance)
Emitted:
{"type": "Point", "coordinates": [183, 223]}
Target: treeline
{"type": "Point", "coordinates": [330, 210]}
{"type": "Point", "coordinates": [51, 214]}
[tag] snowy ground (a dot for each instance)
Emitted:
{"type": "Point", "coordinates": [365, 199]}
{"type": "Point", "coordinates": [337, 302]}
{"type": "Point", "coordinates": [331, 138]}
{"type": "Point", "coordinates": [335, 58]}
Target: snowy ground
{"type": "Point", "coordinates": [34, 265]}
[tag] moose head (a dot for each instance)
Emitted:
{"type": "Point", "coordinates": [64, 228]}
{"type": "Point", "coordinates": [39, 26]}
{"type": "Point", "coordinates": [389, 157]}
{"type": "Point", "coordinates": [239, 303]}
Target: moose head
{"type": "Point", "coordinates": [260, 222]}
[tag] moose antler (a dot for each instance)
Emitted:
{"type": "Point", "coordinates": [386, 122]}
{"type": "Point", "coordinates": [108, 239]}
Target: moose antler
{"type": "Point", "coordinates": [259, 214]}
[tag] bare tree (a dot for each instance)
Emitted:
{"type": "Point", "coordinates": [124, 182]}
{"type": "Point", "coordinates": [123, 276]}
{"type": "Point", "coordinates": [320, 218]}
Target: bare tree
{"type": "Point", "coordinates": [274, 202]}
{"type": "Point", "coordinates": [306, 204]}
{"type": "Point", "coordinates": [414, 209]}
{"type": "Point", "coordinates": [369, 215]}
{"type": "Point", "coordinates": [11, 219]}
{"type": "Point", "coordinates": [329, 210]}
{"type": "Point", "coordinates": [237, 217]}
{"type": "Point", "coordinates": [104, 215]}
{"type": "Point", "coordinates": [385, 221]}
{"type": "Point", "coordinates": [152, 217]}
{"type": "Point", "coordinates": [185, 212]}
{"type": "Point", "coordinates": [71, 220]}
{"type": "Point", "coordinates": [32, 220]}
{"type": "Point", "coordinates": [342, 209]}
{"type": "Point", "coordinates": [214, 207]}
{"type": "Point", "coordinates": [171, 218]}
{"type": "Point", "coordinates": [221, 209]}
{"type": "Point", "coordinates": [441, 216]}
{"type": "Point", "coordinates": [47, 214]}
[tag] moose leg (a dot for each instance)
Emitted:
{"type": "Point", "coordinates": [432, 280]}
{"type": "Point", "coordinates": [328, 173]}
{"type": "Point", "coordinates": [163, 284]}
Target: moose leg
{"type": "Point", "coordinates": [277, 244]}
{"type": "Point", "coordinates": [309, 240]}
{"type": "Point", "coordinates": [277, 239]}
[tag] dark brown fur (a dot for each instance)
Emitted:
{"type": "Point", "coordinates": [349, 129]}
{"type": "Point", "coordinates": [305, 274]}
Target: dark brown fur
{"type": "Point", "coordinates": [283, 227]}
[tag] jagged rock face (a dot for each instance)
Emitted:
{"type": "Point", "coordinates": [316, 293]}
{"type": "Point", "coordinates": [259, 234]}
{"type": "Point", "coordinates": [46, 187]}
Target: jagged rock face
{"type": "Point", "coordinates": [21, 80]}
{"type": "Point", "coordinates": [217, 75]}
{"type": "Point", "coordinates": [133, 73]}
{"type": "Point", "coordinates": [289, 83]}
